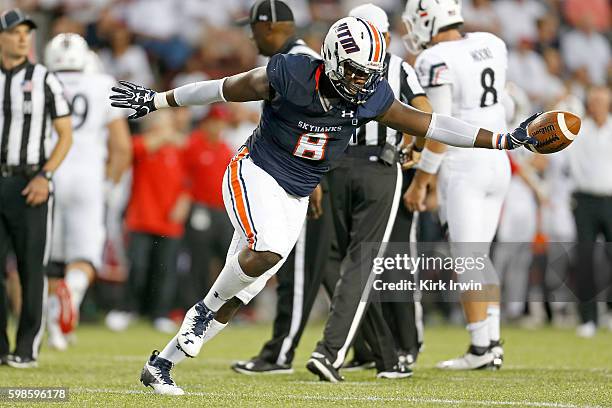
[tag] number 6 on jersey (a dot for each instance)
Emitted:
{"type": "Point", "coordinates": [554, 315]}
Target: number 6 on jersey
{"type": "Point", "coordinates": [311, 146]}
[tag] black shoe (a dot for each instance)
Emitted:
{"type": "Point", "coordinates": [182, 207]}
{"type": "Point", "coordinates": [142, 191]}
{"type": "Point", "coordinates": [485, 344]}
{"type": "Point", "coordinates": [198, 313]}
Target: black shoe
{"type": "Point", "coordinates": [496, 347]}
{"type": "Point", "coordinates": [406, 359]}
{"type": "Point", "coordinates": [4, 359]}
{"type": "Point", "coordinates": [21, 362]}
{"type": "Point", "coordinates": [397, 372]}
{"type": "Point", "coordinates": [319, 365]}
{"type": "Point", "coordinates": [357, 365]}
{"type": "Point", "coordinates": [259, 366]}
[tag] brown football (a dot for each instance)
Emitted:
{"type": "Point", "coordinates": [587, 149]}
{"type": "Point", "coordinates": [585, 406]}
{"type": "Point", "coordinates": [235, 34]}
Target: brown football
{"type": "Point", "coordinates": [554, 131]}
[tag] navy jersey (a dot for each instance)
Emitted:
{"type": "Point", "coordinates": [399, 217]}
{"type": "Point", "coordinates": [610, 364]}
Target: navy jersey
{"type": "Point", "coordinates": [297, 137]}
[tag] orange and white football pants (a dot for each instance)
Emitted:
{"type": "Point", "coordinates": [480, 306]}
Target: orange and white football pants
{"type": "Point", "coordinates": [265, 217]}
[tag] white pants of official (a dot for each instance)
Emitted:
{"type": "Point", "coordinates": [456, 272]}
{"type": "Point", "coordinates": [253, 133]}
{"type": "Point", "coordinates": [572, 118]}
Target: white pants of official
{"type": "Point", "coordinates": [265, 217]}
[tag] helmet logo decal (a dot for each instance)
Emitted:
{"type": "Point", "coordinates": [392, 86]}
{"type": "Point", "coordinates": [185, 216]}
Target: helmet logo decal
{"type": "Point", "coordinates": [346, 39]}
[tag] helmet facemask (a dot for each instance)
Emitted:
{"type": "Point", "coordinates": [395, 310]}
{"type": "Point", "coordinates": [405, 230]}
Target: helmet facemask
{"type": "Point", "coordinates": [354, 82]}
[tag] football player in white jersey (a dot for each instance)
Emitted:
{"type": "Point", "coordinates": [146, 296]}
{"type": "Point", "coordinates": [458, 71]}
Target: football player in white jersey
{"type": "Point", "coordinates": [463, 76]}
{"type": "Point", "coordinates": [101, 151]}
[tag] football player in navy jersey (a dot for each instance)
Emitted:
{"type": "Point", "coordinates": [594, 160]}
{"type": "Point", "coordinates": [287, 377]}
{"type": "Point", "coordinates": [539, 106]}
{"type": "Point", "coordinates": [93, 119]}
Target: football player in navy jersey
{"type": "Point", "coordinates": [312, 108]}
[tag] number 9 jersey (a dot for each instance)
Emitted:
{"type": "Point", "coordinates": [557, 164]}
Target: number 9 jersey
{"type": "Point", "coordinates": [475, 67]}
{"type": "Point", "coordinates": [87, 93]}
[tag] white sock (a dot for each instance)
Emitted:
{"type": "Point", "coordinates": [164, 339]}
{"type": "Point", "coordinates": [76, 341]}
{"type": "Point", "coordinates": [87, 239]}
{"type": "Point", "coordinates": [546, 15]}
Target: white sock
{"type": "Point", "coordinates": [77, 282]}
{"type": "Point", "coordinates": [230, 281]}
{"type": "Point", "coordinates": [53, 310]}
{"type": "Point", "coordinates": [479, 332]}
{"type": "Point", "coordinates": [493, 322]}
{"type": "Point", "coordinates": [214, 329]}
{"type": "Point", "coordinates": [172, 352]}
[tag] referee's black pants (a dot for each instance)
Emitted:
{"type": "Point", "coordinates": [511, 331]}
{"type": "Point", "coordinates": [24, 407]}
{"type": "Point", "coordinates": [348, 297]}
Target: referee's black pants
{"type": "Point", "coordinates": [593, 215]}
{"type": "Point", "coordinates": [151, 284]}
{"type": "Point", "coordinates": [402, 313]}
{"type": "Point", "coordinates": [299, 280]}
{"type": "Point", "coordinates": [26, 229]}
{"type": "Point", "coordinates": [363, 194]}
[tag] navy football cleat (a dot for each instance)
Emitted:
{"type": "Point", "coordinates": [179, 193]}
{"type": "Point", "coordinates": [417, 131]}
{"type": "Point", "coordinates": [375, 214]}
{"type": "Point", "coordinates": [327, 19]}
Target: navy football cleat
{"type": "Point", "coordinates": [156, 374]}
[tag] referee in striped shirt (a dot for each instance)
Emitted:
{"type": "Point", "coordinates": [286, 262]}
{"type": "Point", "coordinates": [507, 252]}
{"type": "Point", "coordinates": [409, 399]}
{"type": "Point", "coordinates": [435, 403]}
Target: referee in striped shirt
{"type": "Point", "coordinates": [365, 190]}
{"type": "Point", "coordinates": [32, 104]}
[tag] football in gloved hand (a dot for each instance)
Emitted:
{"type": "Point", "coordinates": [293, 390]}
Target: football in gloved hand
{"type": "Point", "coordinates": [554, 131]}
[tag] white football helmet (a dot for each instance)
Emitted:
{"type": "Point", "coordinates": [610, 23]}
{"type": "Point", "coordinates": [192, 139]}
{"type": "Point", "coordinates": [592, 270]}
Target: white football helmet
{"type": "Point", "coordinates": [354, 54]}
{"type": "Point", "coordinates": [66, 52]}
{"type": "Point", "coordinates": [425, 18]}
{"type": "Point", "coordinates": [93, 63]}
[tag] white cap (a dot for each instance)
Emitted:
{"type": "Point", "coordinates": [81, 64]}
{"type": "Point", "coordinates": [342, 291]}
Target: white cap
{"type": "Point", "coordinates": [373, 14]}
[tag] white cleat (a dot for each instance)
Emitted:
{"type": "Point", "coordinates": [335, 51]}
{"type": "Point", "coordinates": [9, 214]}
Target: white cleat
{"type": "Point", "coordinates": [469, 361]}
{"type": "Point", "coordinates": [55, 336]}
{"type": "Point", "coordinates": [586, 330]}
{"type": "Point", "coordinates": [195, 324]}
{"type": "Point", "coordinates": [156, 374]}
{"type": "Point", "coordinates": [56, 339]}
{"type": "Point", "coordinates": [119, 321]}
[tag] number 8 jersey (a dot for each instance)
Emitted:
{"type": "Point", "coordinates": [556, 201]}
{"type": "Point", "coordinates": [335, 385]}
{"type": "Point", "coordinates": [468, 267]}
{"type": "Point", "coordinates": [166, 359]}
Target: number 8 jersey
{"type": "Point", "coordinates": [300, 131]}
{"type": "Point", "coordinates": [475, 67]}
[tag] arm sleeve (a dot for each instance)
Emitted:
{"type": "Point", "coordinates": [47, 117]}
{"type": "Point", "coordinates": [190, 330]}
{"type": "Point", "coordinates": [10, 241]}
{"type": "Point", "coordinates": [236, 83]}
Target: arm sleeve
{"type": "Point", "coordinates": [55, 101]}
{"type": "Point", "coordinates": [410, 87]}
{"type": "Point", "coordinates": [432, 70]}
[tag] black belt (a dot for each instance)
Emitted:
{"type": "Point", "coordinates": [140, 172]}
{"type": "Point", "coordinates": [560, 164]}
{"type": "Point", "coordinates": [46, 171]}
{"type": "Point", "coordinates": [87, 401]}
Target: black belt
{"type": "Point", "coordinates": [363, 152]}
{"type": "Point", "coordinates": [28, 171]}
{"type": "Point", "coordinates": [582, 194]}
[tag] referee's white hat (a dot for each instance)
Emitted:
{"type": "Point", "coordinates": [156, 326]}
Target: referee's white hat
{"type": "Point", "coordinates": [373, 14]}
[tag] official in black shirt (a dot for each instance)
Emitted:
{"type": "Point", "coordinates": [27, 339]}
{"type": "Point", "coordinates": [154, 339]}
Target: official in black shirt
{"type": "Point", "coordinates": [32, 104]}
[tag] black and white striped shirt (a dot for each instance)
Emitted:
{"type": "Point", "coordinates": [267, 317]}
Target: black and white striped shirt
{"type": "Point", "coordinates": [31, 97]}
{"type": "Point", "coordinates": [405, 86]}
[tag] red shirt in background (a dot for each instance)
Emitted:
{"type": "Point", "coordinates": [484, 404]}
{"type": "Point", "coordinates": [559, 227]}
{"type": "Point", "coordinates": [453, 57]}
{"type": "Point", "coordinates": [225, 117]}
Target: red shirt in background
{"type": "Point", "coordinates": [158, 179]}
{"type": "Point", "coordinates": [206, 162]}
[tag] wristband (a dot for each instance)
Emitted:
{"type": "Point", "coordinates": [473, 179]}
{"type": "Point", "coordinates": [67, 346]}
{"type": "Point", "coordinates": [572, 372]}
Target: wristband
{"type": "Point", "coordinates": [48, 175]}
{"type": "Point", "coordinates": [160, 101]}
{"type": "Point", "coordinates": [498, 141]}
{"type": "Point", "coordinates": [430, 161]}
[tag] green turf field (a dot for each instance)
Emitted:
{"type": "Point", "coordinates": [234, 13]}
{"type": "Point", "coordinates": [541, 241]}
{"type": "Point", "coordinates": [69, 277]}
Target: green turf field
{"type": "Point", "coordinates": [544, 368]}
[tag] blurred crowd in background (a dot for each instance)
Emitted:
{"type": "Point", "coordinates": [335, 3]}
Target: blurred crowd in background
{"type": "Point", "coordinates": [558, 50]}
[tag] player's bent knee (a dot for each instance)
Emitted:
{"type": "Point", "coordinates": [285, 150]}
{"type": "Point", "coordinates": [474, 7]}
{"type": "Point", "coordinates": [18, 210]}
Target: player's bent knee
{"type": "Point", "coordinates": [255, 263]}
{"type": "Point", "coordinates": [271, 258]}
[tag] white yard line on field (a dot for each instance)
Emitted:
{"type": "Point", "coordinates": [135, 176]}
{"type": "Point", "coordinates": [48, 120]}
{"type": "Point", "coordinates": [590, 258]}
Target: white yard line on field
{"type": "Point", "coordinates": [417, 400]}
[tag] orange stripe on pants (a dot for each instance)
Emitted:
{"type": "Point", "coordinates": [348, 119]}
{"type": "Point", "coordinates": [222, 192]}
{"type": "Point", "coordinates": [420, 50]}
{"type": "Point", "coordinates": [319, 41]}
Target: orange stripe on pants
{"type": "Point", "coordinates": [239, 197]}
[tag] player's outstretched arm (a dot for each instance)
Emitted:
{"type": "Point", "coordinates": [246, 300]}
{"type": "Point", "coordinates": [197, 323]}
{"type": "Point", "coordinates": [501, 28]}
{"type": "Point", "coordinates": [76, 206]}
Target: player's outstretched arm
{"type": "Point", "coordinates": [451, 131]}
{"type": "Point", "coordinates": [247, 86]}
